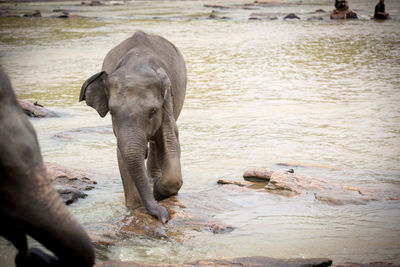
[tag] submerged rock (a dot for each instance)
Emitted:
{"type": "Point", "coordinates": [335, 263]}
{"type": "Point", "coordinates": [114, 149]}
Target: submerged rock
{"type": "Point", "coordinates": [190, 214]}
{"type": "Point", "coordinates": [287, 183]}
{"type": "Point", "coordinates": [291, 16]}
{"type": "Point", "coordinates": [275, 3]}
{"type": "Point", "coordinates": [216, 6]}
{"type": "Point", "coordinates": [239, 183]}
{"type": "Point", "coordinates": [257, 174]}
{"type": "Point", "coordinates": [36, 110]}
{"type": "Point", "coordinates": [69, 183]}
{"type": "Point", "coordinates": [263, 16]}
{"type": "Point", "coordinates": [92, 3]}
{"type": "Point", "coordinates": [255, 261]}
{"type": "Point", "coordinates": [215, 15]}
{"type": "Point", "coordinates": [33, 14]}
{"type": "Point", "coordinates": [67, 15]}
{"type": "Point", "coordinates": [371, 264]}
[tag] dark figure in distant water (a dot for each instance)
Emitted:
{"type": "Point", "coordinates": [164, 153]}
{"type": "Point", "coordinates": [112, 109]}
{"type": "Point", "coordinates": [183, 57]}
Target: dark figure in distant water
{"type": "Point", "coordinates": [341, 4]}
{"type": "Point", "coordinates": [380, 11]}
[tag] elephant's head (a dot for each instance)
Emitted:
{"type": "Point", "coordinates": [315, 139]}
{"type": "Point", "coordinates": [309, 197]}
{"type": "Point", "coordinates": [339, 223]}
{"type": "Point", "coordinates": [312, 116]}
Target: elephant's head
{"type": "Point", "coordinates": [28, 203]}
{"type": "Point", "coordinates": [141, 105]}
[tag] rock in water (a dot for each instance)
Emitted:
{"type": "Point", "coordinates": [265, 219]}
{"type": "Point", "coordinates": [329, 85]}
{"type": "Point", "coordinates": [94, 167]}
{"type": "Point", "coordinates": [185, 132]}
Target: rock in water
{"type": "Point", "coordinates": [258, 175]}
{"type": "Point", "coordinates": [33, 14]}
{"type": "Point", "coordinates": [255, 261]}
{"type": "Point", "coordinates": [291, 16]}
{"type": "Point", "coordinates": [69, 183]}
{"type": "Point", "coordinates": [36, 110]}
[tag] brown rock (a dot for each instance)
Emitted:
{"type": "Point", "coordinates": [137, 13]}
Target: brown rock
{"type": "Point", "coordinates": [216, 6]}
{"type": "Point", "coordinates": [286, 183]}
{"type": "Point", "coordinates": [92, 3]}
{"type": "Point", "coordinates": [33, 14]}
{"type": "Point", "coordinates": [215, 15]}
{"type": "Point", "coordinates": [371, 264]}
{"type": "Point", "coordinates": [190, 214]}
{"type": "Point", "coordinates": [291, 16]}
{"type": "Point", "coordinates": [256, 261]}
{"type": "Point", "coordinates": [275, 3]}
{"type": "Point", "coordinates": [36, 110]}
{"type": "Point", "coordinates": [257, 174]}
{"type": "Point", "coordinates": [238, 183]}
{"type": "Point", "coordinates": [70, 183]}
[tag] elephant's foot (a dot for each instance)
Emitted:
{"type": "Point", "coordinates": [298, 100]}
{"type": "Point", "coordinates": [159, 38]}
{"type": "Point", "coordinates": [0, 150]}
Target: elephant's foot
{"type": "Point", "coordinates": [36, 257]}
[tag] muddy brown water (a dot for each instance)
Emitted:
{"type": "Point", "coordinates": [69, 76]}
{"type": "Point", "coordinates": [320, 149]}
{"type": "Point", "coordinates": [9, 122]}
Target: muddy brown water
{"type": "Point", "coordinates": [322, 94]}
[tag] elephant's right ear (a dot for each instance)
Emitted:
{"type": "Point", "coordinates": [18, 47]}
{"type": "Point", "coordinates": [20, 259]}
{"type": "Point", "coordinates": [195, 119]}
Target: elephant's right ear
{"type": "Point", "coordinates": [94, 92]}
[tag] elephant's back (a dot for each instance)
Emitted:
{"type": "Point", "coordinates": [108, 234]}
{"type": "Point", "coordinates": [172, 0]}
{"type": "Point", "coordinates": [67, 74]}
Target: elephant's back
{"type": "Point", "coordinates": [163, 52]}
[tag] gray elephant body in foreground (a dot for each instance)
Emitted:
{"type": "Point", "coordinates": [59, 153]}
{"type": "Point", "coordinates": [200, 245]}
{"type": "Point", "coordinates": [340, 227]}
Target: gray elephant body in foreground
{"type": "Point", "coordinates": [143, 85]}
{"type": "Point", "coordinates": [28, 203]}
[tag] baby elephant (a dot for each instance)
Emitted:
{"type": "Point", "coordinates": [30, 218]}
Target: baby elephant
{"type": "Point", "coordinates": [143, 84]}
{"type": "Point", "coordinates": [28, 203]}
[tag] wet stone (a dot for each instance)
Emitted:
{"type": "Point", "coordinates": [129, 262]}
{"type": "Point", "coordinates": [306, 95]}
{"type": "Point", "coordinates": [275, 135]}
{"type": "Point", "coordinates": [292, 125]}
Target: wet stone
{"type": "Point", "coordinates": [257, 174]}
{"type": "Point", "coordinates": [291, 16]}
{"type": "Point", "coordinates": [287, 183]}
{"type": "Point", "coordinates": [36, 110]}
{"type": "Point", "coordinates": [255, 261]}
{"type": "Point", "coordinates": [69, 183]}
{"type": "Point", "coordinates": [190, 215]}
{"type": "Point", "coordinates": [33, 14]}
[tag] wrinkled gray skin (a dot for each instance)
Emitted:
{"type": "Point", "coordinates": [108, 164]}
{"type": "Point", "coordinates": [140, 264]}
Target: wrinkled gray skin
{"type": "Point", "coordinates": [143, 85]}
{"type": "Point", "coordinates": [28, 204]}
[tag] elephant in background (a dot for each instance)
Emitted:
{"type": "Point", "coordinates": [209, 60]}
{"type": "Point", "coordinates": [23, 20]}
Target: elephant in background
{"type": "Point", "coordinates": [143, 85]}
{"type": "Point", "coordinates": [28, 203]}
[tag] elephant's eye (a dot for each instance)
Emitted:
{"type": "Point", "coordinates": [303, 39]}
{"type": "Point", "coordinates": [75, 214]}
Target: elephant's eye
{"type": "Point", "coordinates": [152, 112]}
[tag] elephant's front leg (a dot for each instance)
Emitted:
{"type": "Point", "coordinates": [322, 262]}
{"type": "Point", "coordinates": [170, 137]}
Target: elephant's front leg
{"type": "Point", "coordinates": [168, 155]}
{"type": "Point", "coordinates": [132, 197]}
{"type": "Point", "coordinates": [153, 168]}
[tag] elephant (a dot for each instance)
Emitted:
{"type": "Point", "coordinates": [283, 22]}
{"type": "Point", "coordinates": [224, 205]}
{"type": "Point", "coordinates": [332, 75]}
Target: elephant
{"type": "Point", "coordinates": [143, 85]}
{"type": "Point", "coordinates": [29, 205]}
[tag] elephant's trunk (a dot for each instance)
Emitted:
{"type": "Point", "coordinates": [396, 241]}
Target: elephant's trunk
{"type": "Point", "coordinates": [131, 152]}
{"type": "Point", "coordinates": [132, 146]}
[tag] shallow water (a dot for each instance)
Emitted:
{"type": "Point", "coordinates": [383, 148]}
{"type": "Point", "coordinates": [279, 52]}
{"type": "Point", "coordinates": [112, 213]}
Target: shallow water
{"type": "Point", "coordinates": [259, 92]}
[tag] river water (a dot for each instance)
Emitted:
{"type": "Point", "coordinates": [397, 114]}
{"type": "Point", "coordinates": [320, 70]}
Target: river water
{"type": "Point", "coordinates": [320, 93]}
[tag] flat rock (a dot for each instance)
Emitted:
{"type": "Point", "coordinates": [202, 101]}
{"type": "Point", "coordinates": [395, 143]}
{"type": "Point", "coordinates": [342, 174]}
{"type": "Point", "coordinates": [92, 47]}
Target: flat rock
{"type": "Point", "coordinates": [286, 183]}
{"type": "Point", "coordinates": [36, 110]}
{"type": "Point", "coordinates": [215, 15]}
{"type": "Point", "coordinates": [69, 183]}
{"type": "Point", "coordinates": [371, 264]}
{"type": "Point", "coordinates": [239, 183]}
{"type": "Point", "coordinates": [92, 3]}
{"type": "Point", "coordinates": [257, 174]}
{"type": "Point", "coordinates": [190, 214]}
{"type": "Point", "coordinates": [33, 14]}
{"type": "Point", "coordinates": [275, 3]}
{"type": "Point", "coordinates": [216, 6]}
{"type": "Point", "coordinates": [256, 261]}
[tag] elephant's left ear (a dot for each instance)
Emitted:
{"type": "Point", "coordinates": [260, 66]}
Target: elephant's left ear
{"type": "Point", "coordinates": [94, 92]}
{"type": "Point", "coordinates": [166, 84]}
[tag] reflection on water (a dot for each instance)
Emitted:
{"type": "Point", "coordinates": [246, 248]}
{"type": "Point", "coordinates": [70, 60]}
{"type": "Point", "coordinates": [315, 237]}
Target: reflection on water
{"type": "Point", "coordinates": [259, 92]}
